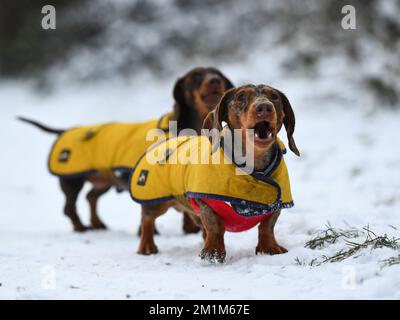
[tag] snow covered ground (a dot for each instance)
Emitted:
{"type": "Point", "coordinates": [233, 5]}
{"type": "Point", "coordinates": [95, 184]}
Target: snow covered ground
{"type": "Point", "coordinates": [348, 174]}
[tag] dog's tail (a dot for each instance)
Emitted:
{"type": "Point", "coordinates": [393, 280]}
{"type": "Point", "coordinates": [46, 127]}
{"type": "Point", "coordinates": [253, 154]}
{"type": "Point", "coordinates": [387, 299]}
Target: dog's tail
{"type": "Point", "coordinates": [41, 126]}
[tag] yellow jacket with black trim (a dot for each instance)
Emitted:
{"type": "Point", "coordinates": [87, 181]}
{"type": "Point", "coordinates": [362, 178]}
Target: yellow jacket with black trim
{"type": "Point", "coordinates": [160, 175]}
{"type": "Point", "coordinates": [103, 147]}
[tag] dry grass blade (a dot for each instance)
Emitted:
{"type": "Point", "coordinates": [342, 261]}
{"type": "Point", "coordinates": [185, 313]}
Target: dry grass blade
{"type": "Point", "coordinates": [391, 261]}
{"type": "Point", "coordinates": [332, 235]}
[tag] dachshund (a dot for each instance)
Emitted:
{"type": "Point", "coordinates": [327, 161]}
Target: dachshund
{"type": "Point", "coordinates": [195, 94]}
{"type": "Point", "coordinates": [260, 110]}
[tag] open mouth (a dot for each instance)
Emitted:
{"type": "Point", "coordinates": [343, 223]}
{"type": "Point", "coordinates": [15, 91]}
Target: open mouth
{"type": "Point", "coordinates": [263, 132]}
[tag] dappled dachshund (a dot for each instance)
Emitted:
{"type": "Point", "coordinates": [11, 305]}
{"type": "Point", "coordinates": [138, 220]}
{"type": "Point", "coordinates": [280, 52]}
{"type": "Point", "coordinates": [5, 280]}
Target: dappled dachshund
{"type": "Point", "coordinates": [104, 154]}
{"type": "Point", "coordinates": [216, 196]}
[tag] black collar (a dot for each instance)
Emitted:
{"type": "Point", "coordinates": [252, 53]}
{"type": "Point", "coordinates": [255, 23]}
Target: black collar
{"type": "Point", "coordinates": [276, 160]}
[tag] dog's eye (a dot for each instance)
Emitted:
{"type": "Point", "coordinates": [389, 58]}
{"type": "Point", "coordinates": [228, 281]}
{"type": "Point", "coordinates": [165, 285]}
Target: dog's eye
{"type": "Point", "coordinates": [274, 96]}
{"type": "Point", "coordinates": [241, 97]}
{"type": "Point", "coordinates": [196, 77]}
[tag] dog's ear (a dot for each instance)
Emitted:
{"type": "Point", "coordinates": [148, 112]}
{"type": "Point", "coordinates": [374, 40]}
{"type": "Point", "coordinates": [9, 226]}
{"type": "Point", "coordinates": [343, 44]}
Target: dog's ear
{"type": "Point", "coordinates": [228, 83]}
{"type": "Point", "coordinates": [179, 92]}
{"type": "Point", "coordinates": [289, 122]}
{"type": "Point", "coordinates": [214, 118]}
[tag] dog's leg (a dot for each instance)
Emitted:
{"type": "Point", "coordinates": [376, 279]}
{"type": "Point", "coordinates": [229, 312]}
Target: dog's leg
{"type": "Point", "coordinates": [197, 222]}
{"type": "Point", "coordinates": [139, 233]}
{"type": "Point", "coordinates": [189, 226]}
{"type": "Point", "coordinates": [267, 243]}
{"type": "Point", "coordinates": [71, 189]}
{"type": "Point", "coordinates": [149, 214]}
{"type": "Point", "coordinates": [214, 247]}
{"type": "Point", "coordinates": [93, 196]}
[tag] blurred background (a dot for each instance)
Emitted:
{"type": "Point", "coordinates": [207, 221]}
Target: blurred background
{"type": "Point", "coordinates": [99, 40]}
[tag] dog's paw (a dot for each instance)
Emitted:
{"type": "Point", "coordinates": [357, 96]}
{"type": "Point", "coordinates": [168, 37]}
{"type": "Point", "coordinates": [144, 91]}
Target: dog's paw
{"type": "Point", "coordinates": [81, 228]}
{"type": "Point", "coordinates": [147, 249]}
{"type": "Point", "coordinates": [98, 226]}
{"type": "Point", "coordinates": [270, 249]}
{"type": "Point", "coordinates": [213, 255]}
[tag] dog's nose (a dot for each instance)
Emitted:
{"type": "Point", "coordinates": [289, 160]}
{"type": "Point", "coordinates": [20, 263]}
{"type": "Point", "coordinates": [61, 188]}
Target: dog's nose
{"type": "Point", "coordinates": [215, 81]}
{"type": "Point", "coordinates": [264, 108]}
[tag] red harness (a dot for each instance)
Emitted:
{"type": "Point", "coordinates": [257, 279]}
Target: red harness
{"type": "Point", "coordinates": [233, 222]}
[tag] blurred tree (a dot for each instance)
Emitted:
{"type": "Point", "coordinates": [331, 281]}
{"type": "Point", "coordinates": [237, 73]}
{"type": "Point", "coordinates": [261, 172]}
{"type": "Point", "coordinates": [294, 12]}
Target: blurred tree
{"type": "Point", "coordinates": [26, 49]}
{"type": "Point", "coordinates": [98, 39]}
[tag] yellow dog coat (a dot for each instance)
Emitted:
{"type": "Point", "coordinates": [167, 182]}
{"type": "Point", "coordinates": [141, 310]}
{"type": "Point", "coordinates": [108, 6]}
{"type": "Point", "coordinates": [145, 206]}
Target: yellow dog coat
{"type": "Point", "coordinates": [160, 176]}
{"type": "Point", "coordinates": [102, 148]}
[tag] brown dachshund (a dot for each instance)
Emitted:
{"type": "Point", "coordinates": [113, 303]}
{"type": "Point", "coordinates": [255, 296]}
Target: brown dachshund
{"type": "Point", "coordinates": [195, 94]}
{"type": "Point", "coordinates": [263, 109]}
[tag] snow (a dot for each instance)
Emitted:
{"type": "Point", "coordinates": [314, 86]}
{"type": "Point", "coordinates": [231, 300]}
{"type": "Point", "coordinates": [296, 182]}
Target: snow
{"type": "Point", "coordinates": [348, 174]}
